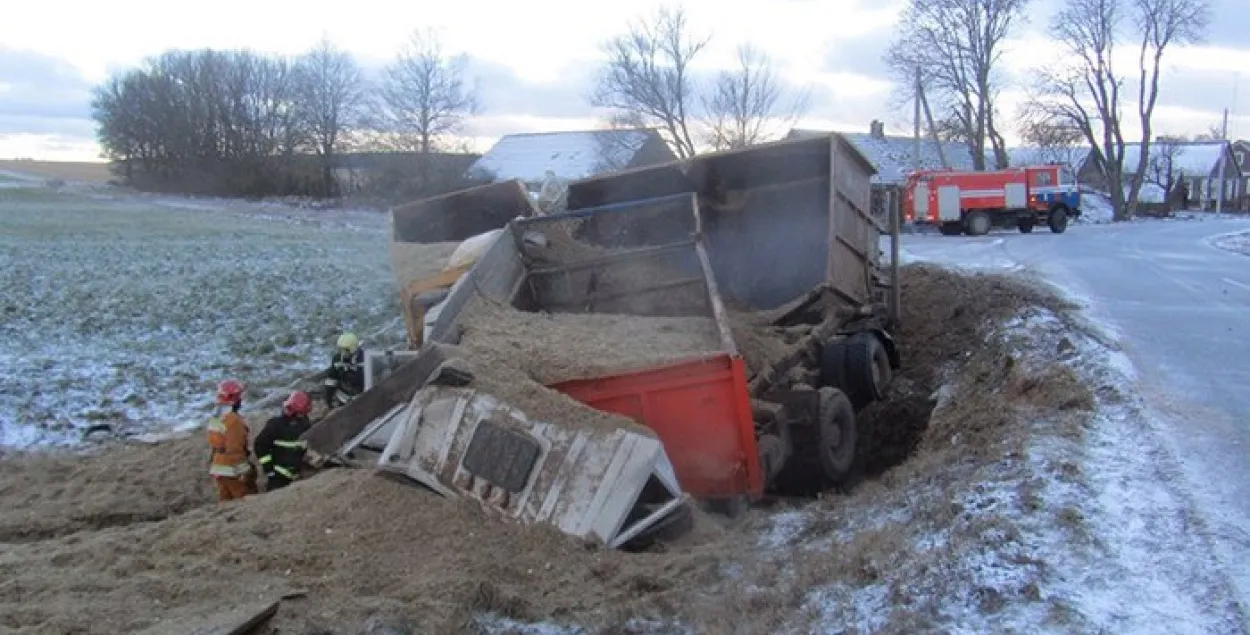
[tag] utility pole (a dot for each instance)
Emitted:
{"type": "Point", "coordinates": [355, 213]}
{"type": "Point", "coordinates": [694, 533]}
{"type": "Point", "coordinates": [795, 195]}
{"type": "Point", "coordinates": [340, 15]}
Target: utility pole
{"type": "Point", "coordinates": [1219, 197]}
{"type": "Point", "coordinates": [915, 150]}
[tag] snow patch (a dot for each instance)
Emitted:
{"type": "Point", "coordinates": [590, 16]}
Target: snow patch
{"type": "Point", "coordinates": [1236, 242]}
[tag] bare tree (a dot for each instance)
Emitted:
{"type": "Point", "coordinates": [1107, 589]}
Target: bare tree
{"type": "Point", "coordinates": [333, 97]}
{"type": "Point", "coordinates": [1087, 94]}
{"type": "Point", "coordinates": [1161, 166]}
{"type": "Point", "coordinates": [957, 45]}
{"type": "Point", "coordinates": [1057, 141]}
{"type": "Point", "coordinates": [647, 78]}
{"type": "Point", "coordinates": [424, 94]}
{"type": "Point", "coordinates": [745, 106]}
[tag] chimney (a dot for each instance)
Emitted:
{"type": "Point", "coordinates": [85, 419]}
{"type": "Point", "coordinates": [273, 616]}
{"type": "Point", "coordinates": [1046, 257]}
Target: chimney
{"type": "Point", "coordinates": [877, 129]}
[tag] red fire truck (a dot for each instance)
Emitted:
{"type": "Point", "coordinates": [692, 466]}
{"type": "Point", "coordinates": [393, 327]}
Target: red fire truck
{"type": "Point", "coordinates": [975, 202]}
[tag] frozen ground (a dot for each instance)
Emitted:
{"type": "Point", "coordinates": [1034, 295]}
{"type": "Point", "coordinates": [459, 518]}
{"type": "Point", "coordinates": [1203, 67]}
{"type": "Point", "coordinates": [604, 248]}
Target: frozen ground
{"type": "Point", "coordinates": [1168, 477]}
{"type": "Point", "coordinates": [1236, 242]}
{"type": "Point", "coordinates": [127, 310]}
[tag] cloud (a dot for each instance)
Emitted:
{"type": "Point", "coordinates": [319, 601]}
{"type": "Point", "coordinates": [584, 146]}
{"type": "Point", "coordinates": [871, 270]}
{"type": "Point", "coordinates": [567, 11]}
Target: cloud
{"type": "Point", "coordinates": [42, 94]}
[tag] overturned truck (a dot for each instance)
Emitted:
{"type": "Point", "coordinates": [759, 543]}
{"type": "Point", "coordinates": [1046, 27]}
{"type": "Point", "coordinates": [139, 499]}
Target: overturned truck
{"type": "Point", "coordinates": [781, 231]}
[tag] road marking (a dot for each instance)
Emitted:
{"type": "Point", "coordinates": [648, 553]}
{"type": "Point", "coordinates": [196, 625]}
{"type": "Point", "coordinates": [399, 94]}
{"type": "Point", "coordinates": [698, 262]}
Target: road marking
{"type": "Point", "coordinates": [1236, 284]}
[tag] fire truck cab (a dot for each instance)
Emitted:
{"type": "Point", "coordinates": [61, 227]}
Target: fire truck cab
{"type": "Point", "coordinates": [974, 202]}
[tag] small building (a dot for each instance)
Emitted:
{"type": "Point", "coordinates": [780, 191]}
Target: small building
{"type": "Point", "coordinates": [572, 155]}
{"type": "Point", "coordinates": [1176, 167]}
{"type": "Point", "coordinates": [894, 157]}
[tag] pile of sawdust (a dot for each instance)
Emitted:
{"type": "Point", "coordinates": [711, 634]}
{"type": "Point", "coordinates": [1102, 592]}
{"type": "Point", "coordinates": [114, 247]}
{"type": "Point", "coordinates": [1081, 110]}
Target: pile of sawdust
{"type": "Point", "coordinates": [552, 348]}
{"type": "Point", "coordinates": [356, 543]}
{"type": "Point", "coordinates": [760, 343]}
{"type": "Point", "coordinates": [538, 402]}
{"type": "Point", "coordinates": [417, 261]}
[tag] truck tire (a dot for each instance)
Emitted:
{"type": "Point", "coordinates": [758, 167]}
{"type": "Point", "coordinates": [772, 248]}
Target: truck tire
{"type": "Point", "coordinates": [863, 368]}
{"type": "Point", "coordinates": [836, 436]}
{"type": "Point", "coordinates": [1025, 225]}
{"type": "Point", "coordinates": [951, 229]}
{"type": "Point", "coordinates": [1058, 220]}
{"type": "Point", "coordinates": [978, 223]}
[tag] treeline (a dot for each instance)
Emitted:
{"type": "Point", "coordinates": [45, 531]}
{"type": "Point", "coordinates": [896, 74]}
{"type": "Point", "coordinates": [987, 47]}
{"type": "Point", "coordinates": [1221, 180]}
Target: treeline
{"type": "Point", "coordinates": [242, 123]}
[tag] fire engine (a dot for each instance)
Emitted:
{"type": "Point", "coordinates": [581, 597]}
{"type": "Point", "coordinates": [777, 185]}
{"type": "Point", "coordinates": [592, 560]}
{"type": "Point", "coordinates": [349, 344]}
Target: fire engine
{"type": "Point", "coordinates": [974, 202]}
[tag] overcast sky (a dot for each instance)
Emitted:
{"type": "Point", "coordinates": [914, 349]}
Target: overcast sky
{"type": "Point", "coordinates": [535, 61]}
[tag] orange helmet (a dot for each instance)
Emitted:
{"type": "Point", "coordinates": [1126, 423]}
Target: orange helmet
{"type": "Point", "coordinates": [297, 405]}
{"type": "Point", "coordinates": [229, 391]}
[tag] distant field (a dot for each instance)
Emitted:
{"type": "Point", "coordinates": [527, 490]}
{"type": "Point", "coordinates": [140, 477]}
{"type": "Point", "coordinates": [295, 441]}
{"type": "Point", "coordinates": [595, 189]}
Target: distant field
{"type": "Point", "coordinates": [67, 170]}
{"type": "Point", "coordinates": [128, 311]}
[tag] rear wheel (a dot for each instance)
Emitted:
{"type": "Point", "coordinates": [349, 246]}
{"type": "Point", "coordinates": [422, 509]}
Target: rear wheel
{"type": "Point", "coordinates": [836, 435]}
{"type": "Point", "coordinates": [1025, 225]}
{"type": "Point", "coordinates": [859, 366]}
{"type": "Point", "coordinates": [978, 223]}
{"type": "Point", "coordinates": [1058, 220]}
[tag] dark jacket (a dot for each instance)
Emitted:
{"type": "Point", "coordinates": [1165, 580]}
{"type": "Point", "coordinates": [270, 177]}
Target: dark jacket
{"type": "Point", "coordinates": [346, 374]}
{"type": "Point", "coordinates": [280, 448]}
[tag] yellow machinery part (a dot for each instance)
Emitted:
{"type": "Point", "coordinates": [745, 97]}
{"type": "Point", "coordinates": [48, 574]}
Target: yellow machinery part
{"type": "Point", "coordinates": [414, 311]}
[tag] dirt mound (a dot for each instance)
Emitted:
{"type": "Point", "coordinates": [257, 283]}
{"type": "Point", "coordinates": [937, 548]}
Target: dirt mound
{"type": "Point", "coordinates": [551, 348]}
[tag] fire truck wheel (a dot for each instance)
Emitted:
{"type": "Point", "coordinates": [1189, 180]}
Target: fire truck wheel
{"type": "Point", "coordinates": [836, 435]}
{"type": "Point", "coordinates": [1025, 225]}
{"type": "Point", "coordinates": [1058, 220]}
{"type": "Point", "coordinates": [978, 224]}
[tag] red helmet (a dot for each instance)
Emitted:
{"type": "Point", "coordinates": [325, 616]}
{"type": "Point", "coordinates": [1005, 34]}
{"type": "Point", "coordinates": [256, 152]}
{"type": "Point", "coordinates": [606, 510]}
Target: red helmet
{"type": "Point", "coordinates": [229, 391]}
{"type": "Point", "coordinates": [297, 405]}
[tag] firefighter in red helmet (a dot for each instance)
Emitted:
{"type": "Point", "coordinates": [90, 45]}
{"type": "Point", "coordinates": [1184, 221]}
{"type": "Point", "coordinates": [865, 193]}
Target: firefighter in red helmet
{"type": "Point", "coordinates": [229, 465]}
{"type": "Point", "coordinates": [279, 446]}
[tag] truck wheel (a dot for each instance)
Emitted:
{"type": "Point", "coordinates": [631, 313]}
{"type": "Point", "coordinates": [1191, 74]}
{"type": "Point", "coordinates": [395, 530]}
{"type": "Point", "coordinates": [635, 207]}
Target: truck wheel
{"type": "Point", "coordinates": [836, 435]}
{"type": "Point", "coordinates": [978, 223]}
{"type": "Point", "coordinates": [1025, 225]}
{"type": "Point", "coordinates": [865, 370]}
{"type": "Point", "coordinates": [772, 455]}
{"type": "Point", "coordinates": [951, 229]}
{"type": "Point", "coordinates": [1058, 220]}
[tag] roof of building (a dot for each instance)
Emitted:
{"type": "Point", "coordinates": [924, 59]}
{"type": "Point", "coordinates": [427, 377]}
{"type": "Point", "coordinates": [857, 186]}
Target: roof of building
{"type": "Point", "coordinates": [893, 156]}
{"type": "Point", "coordinates": [1021, 156]}
{"type": "Point", "coordinates": [571, 155]}
{"type": "Point", "coordinates": [1192, 158]}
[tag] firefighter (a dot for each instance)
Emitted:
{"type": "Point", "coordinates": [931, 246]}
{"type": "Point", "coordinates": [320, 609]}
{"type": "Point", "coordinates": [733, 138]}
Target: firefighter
{"type": "Point", "coordinates": [229, 464]}
{"type": "Point", "coordinates": [279, 446]}
{"type": "Point", "coordinates": [346, 377]}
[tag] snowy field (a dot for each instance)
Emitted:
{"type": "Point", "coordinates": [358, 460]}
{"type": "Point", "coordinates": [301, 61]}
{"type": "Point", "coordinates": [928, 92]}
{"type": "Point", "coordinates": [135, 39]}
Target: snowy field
{"type": "Point", "coordinates": [127, 310]}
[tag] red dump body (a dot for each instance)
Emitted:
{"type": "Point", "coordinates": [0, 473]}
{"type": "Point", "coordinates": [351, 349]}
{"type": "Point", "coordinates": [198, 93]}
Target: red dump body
{"type": "Point", "coordinates": [701, 411]}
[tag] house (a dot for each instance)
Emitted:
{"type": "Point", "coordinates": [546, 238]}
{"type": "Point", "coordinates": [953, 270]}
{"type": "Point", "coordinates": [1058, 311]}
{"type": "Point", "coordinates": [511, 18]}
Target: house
{"type": "Point", "coordinates": [570, 155]}
{"type": "Point", "coordinates": [1241, 152]}
{"type": "Point", "coordinates": [894, 157]}
{"type": "Point", "coordinates": [1195, 165]}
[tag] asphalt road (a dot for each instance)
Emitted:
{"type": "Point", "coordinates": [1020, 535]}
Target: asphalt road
{"type": "Point", "coordinates": [1180, 309]}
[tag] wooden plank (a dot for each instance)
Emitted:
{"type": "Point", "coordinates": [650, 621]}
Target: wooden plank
{"type": "Point", "coordinates": [713, 295]}
{"type": "Point", "coordinates": [329, 434]}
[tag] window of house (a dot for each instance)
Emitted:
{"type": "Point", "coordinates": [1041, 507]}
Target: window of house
{"type": "Point", "coordinates": [1241, 158]}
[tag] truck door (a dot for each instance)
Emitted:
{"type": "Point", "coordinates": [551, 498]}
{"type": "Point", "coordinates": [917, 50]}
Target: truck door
{"type": "Point", "coordinates": [920, 201]}
{"type": "Point", "coordinates": [948, 203]}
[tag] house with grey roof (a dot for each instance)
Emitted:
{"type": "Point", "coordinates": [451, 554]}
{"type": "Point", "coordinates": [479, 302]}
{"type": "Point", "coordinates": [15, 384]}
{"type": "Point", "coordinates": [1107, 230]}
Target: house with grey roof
{"type": "Point", "coordinates": [1189, 168]}
{"type": "Point", "coordinates": [894, 157]}
{"type": "Point", "coordinates": [570, 155]}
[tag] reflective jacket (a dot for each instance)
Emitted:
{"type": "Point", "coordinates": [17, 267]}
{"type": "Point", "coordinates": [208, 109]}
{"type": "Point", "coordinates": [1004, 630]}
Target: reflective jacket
{"type": "Point", "coordinates": [279, 446]}
{"type": "Point", "coordinates": [346, 374]}
{"type": "Point", "coordinates": [227, 437]}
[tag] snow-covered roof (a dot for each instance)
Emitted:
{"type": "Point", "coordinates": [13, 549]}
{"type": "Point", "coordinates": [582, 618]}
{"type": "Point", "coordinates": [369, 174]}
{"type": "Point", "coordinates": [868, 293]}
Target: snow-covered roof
{"type": "Point", "coordinates": [1022, 156]}
{"type": "Point", "coordinates": [1197, 158]}
{"type": "Point", "coordinates": [893, 155]}
{"type": "Point", "coordinates": [571, 155]}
